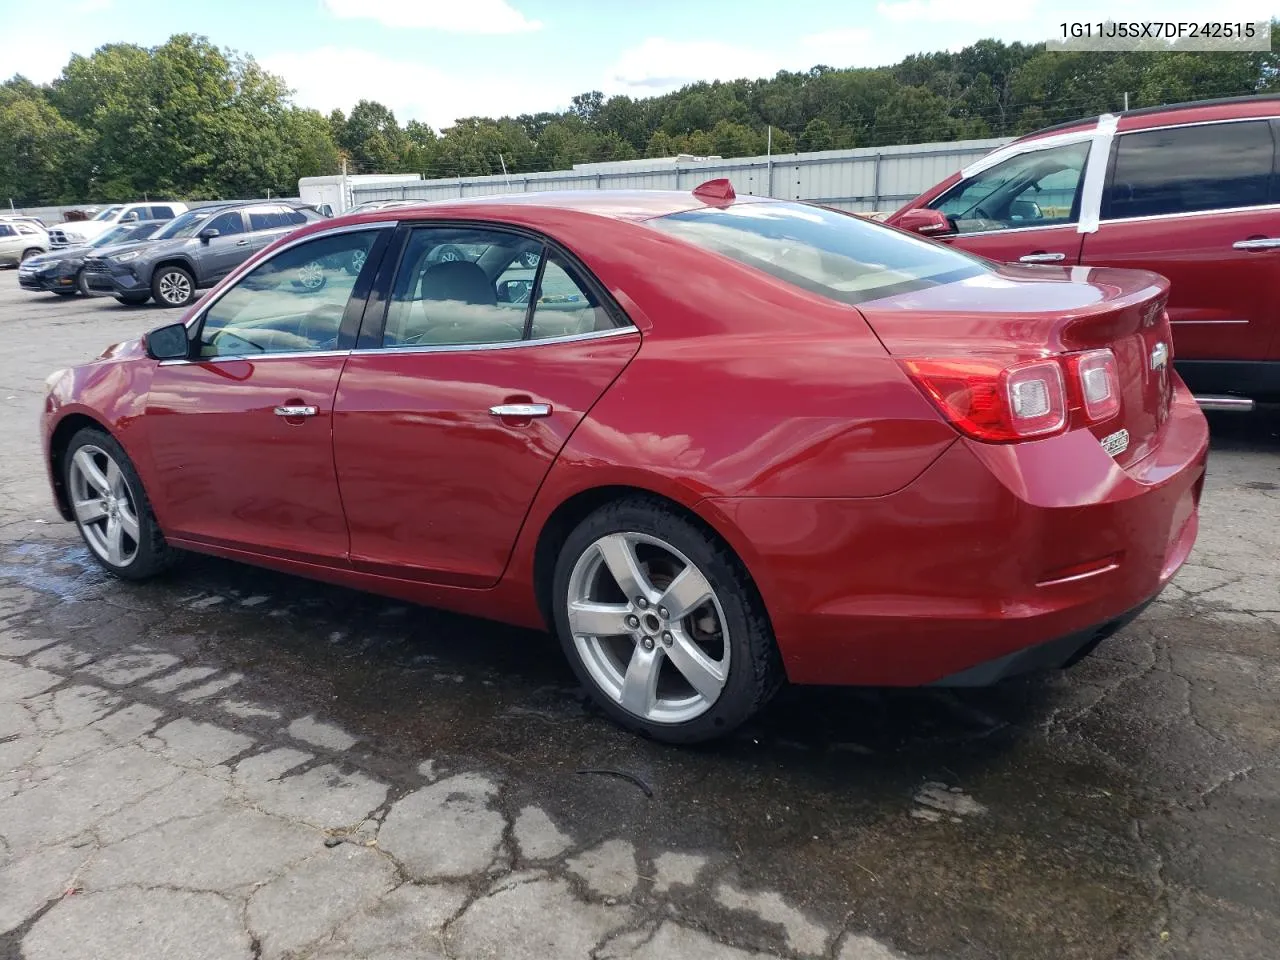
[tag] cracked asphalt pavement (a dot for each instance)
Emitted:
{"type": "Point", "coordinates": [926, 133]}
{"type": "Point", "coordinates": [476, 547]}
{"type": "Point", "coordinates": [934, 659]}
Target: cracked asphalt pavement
{"type": "Point", "coordinates": [230, 763]}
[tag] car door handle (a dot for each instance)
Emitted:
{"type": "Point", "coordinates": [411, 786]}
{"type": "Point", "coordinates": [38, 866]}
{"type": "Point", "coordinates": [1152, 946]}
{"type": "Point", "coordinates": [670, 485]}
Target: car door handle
{"type": "Point", "coordinates": [1257, 243]}
{"type": "Point", "coordinates": [1042, 258]}
{"type": "Point", "coordinates": [521, 411]}
{"type": "Point", "coordinates": [242, 243]}
{"type": "Point", "coordinates": [298, 410]}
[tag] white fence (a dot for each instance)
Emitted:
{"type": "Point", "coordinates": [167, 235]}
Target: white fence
{"type": "Point", "coordinates": [867, 179]}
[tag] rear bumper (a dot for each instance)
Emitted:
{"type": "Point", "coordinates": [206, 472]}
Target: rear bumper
{"type": "Point", "coordinates": [1052, 655]}
{"type": "Point", "coordinates": [991, 552]}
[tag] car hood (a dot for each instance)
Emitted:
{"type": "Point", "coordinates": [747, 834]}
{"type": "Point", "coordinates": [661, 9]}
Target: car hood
{"type": "Point", "coordinates": [113, 249]}
{"type": "Point", "coordinates": [159, 248]}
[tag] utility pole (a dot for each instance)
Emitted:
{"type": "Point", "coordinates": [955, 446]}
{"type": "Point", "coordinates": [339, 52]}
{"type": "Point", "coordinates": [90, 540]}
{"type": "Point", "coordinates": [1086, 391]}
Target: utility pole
{"type": "Point", "coordinates": [768, 150]}
{"type": "Point", "coordinates": [504, 171]}
{"type": "Point", "coordinates": [1126, 100]}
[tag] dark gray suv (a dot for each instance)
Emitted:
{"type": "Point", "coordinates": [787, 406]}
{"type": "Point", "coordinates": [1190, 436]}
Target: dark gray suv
{"type": "Point", "coordinates": [200, 248]}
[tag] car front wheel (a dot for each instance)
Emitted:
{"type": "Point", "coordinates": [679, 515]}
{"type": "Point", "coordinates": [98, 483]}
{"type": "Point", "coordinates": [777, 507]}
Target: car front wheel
{"type": "Point", "coordinates": [111, 509]}
{"type": "Point", "coordinates": [173, 287]}
{"type": "Point", "coordinates": [662, 625]}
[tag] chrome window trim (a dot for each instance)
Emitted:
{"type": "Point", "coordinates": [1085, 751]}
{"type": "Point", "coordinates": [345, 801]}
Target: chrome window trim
{"type": "Point", "coordinates": [1201, 123]}
{"type": "Point", "coordinates": [502, 345]}
{"type": "Point", "coordinates": [1256, 208]}
{"type": "Point", "coordinates": [235, 276]}
{"type": "Point", "coordinates": [410, 348]}
{"type": "Point", "coordinates": [1073, 226]}
{"type": "Point", "coordinates": [256, 357]}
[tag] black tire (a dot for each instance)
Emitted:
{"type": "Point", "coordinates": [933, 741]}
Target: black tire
{"type": "Point", "coordinates": [65, 293]}
{"type": "Point", "coordinates": [755, 670]}
{"type": "Point", "coordinates": [133, 299]}
{"type": "Point", "coordinates": [29, 253]}
{"type": "Point", "coordinates": [151, 554]}
{"type": "Point", "coordinates": [173, 286]}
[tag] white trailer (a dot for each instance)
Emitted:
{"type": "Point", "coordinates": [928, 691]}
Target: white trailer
{"type": "Point", "coordinates": [335, 191]}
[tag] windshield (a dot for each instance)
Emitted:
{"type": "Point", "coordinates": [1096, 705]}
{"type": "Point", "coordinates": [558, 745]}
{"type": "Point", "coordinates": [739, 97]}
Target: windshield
{"type": "Point", "coordinates": [187, 225]}
{"type": "Point", "coordinates": [108, 213]}
{"type": "Point", "coordinates": [843, 257]}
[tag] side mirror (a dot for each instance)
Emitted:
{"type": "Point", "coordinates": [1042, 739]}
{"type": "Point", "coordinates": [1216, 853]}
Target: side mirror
{"type": "Point", "coordinates": [926, 222]}
{"type": "Point", "coordinates": [1025, 210]}
{"type": "Point", "coordinates": [208, 233]}
{"type": "Point", "coordinates": [168, 342]}
{"type": "Point", "coordinates": [514, 291]}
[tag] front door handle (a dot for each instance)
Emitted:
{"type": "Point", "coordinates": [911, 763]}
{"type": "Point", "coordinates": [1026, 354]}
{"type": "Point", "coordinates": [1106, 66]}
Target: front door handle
{"type": "Point", "coordinates": [521, 411]}
{"type": "Point", "coordinates": [1042, 258]}
{"type": "Point", "coordinates": [1257, 243]}
{"type": "Point", "coordinates": [298, 410]}
{"type": "Point", "coordinates": [242, 243]}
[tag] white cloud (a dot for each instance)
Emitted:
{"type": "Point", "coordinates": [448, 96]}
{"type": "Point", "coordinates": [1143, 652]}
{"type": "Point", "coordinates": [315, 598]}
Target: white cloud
{"type": "Point", "coordinates": [329, 77]}
{"type": "Point", "coordinates": [658, 65]}
{"type": "Point", "coordinates": [853, 46]}
{"type": "Point", "coordinates": [449, 16]}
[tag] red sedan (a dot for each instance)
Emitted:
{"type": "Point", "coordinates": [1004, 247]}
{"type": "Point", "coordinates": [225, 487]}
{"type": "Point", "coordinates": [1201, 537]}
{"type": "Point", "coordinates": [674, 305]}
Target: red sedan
{"type": "Point", "coordinates": [714, 442]}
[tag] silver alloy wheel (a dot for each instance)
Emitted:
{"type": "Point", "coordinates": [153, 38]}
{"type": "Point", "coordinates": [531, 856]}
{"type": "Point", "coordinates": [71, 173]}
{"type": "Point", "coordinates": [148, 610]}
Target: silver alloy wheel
{"type": "Point", "coordinates": [104, 505]}
{"type": "Point", "coordinates": [450, 256]}
{"type": "Point", "coordinates": [311, 275]}
{"type": "Point", "coordinates": [648, 627]}
{"type": "Point", "coordinates": [175, 288]}
{"type": "Point", "coordinates": [358, 259]}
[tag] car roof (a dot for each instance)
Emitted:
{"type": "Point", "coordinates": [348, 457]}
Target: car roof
{"type": "Point", "coordinates": [1193, 111]}
{"type": "Point", "coordinates": [634, 205]}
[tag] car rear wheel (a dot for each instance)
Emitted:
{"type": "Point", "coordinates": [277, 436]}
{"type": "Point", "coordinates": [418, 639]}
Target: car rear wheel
{"type": "Point", "coordinates": [133, 299]}
{"type": "Point", "coordinates": [31, 252]}
{"type": "Point", "coordinates": [662, 625]}
{"type": "Point", "coordinates": [173, 287]}
{"type": "Point", "coordinates": [111, 509]}
{"type": "Point", "coordinates": [356, 262]}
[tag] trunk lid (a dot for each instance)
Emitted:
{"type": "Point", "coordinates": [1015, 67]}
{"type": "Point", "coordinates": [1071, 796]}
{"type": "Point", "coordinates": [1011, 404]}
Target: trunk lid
{"type": "Point", "coordinates": [1025, 312]}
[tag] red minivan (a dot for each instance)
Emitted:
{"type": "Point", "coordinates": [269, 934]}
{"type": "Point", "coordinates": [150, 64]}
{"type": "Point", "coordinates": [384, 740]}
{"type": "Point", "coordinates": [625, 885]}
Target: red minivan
{"type": "Point", "coordinates": [1189, 191]}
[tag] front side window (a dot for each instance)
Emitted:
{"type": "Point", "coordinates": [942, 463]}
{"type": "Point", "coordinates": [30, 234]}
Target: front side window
{"type": "Point", "coordinates": [227, 223]}
{"type": "Point", "coordinates": [7, 231]}
{"type": "Point", "coordinates": [1214, 166]}
{"type": "Point", "coordinates": [1036, 189]}
{"type": "Point", "coordinates": [109, 213]}
{"type": "Point", "coordinates": [845, 258]}
{"type": "Point", "coordinates": [292, 303]}
{"type": "Point", "coordinates": [456, 286]}
{"type": "Point", "coordinates": [161, 213]}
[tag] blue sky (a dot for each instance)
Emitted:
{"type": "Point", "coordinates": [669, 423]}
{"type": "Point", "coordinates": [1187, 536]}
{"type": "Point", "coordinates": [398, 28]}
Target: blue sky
{"type": "Point", "coordinates": [436, 60]}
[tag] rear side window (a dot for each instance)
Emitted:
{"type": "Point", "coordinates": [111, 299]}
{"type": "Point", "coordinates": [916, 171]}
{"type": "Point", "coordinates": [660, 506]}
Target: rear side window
{"type": "Point", "coordinates": [842, 257]}
{"type": "Point", "coordinates": [6, 230]}
{"type": "Point", "coordinates": [162, 213]}
{"type": "Point", "coordinates": [1214, 166]}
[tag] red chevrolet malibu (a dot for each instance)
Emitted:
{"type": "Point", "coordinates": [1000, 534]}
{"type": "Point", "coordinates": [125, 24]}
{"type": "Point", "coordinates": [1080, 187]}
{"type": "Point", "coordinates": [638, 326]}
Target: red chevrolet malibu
{"type": "Point", "coordinates": [714, 442]}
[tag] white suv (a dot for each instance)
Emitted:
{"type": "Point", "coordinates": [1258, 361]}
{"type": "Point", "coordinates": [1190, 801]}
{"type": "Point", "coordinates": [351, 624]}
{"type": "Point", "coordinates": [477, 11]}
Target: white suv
{"type": "Point", "coordinates": [20, 240]}
{"type": "Point", "coordinates": [77, 232]}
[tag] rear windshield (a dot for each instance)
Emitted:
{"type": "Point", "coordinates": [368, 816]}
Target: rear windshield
{"type": "Point", "coordinates": [839, 256]}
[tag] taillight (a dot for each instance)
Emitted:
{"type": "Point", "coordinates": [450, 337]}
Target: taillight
{"type": "Point", "coordinates": [990, 401]}
{"type": "Point", "coordinates": [1097, 378]}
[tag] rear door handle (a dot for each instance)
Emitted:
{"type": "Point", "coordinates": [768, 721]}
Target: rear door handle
{"type": "Point", "coordinates": [299, 410]}
{"type": "Point", "coordinates": [1257, 243]}
{"type": "Point", "coordinates": [1042, 258]}
{"type": "Point", "coordinates": [522, 411]}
